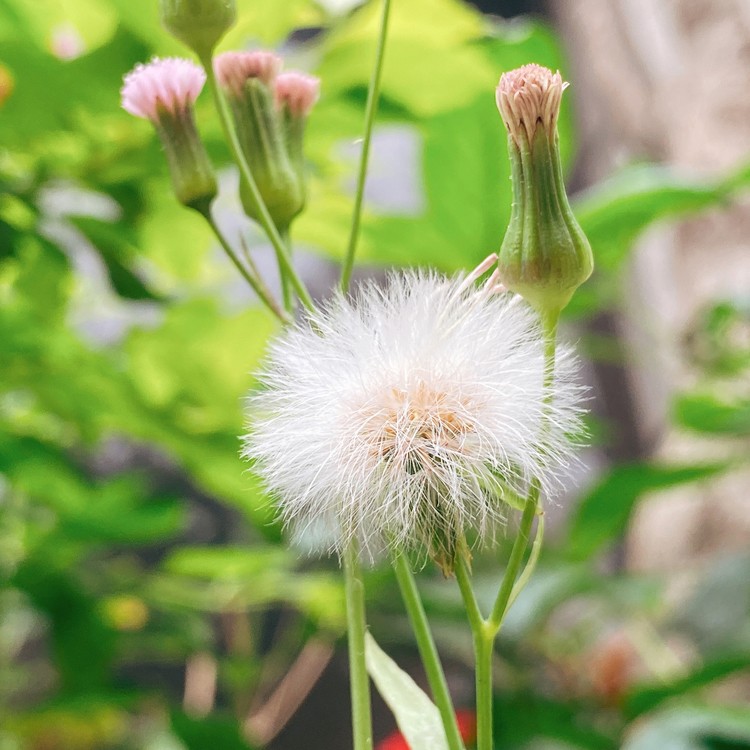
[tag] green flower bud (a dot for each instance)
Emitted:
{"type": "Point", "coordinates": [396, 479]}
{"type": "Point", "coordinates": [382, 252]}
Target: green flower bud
{"type": "Point", "coordinates": [200, 24]}
{"type": "Point", "coordinates": [545, 255]}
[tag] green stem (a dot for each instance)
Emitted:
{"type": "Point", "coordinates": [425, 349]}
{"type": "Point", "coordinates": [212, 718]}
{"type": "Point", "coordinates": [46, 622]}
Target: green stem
{"type": "Point", "coordinates": [255, 282]}
{"type": "Point", "coordinates": [463, 577]}
{"type": "Point", "coordinates": [359, 681]}
{"type": "Point", "coordinates": [373, 93]}
{"type": "Point", "coordinates": [427, 650]}
{"type": "Point", "coordinates": [528, 570]}
{"type": "Point", "coordinates": [514, 561]}
{"type": "Point", "coordinates": [266, 222]}
{"type": "Point", "coordinates": [287, 290]}
{"type": "Point", "coordinates": [483, 650]}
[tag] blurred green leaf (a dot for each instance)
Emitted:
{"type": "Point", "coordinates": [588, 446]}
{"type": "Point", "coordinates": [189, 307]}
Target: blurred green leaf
{"type": "Point", "coordinates": [525, 717]}
{"type": "Point", "coordinates": [416, 715]}
{"type": "Point", "coordinates": [646, 698]}
{"type": "Point", "coordinates": [118, 254]}
{"type": "Point", "coordinates": [703, 412]}
{"type": "Point", "coordinates": [692, 728]}
{"type": "Point", "coordinates": [604, 512]}
{"type": "Point", "coordinates": [221, 733]}
{"type": "Point", "coordinates": [715, 616]}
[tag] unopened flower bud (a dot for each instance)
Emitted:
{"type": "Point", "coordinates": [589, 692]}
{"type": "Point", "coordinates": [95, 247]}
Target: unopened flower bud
{"type": "Point", "coordinates": [295, 95]}
{"type": "Point", "coordinates": [200, 24]}
{"type": "Point", "coordinates": [545, 255]}
{"type": "Point", "coordinates": [248, 80]}
{"type": "Point", "coordinates": [164, 91]}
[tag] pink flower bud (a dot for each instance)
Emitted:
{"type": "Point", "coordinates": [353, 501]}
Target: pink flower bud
{"type": "Point", "coordinates": [171, 84]}
{"type": "Point", "coordinates": [528, 96]}
{"type": "Point", "coordinates": [234, 68]}
{"type": "Point", "coordinates": [298, 92]}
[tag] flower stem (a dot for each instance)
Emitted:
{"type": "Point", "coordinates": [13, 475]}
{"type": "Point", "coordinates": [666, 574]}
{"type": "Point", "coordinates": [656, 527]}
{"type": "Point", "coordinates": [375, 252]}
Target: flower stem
{"type": "Point", "coordinates": [483, 649]}
{"type": "Point", "coordinates": [427, 650]}
{"type": "Point", "coordinates": [359, 681]}
{"type": "Point", "coordinates": [253, 279]}
{"type": "Point", "coordinates": [373, 94]}
{"type": "Point", "coordinates": [285, 264]}
{"type": "Point", "coordinates": [514, 561]}
{"type": "Point", "coordinates": [287, 290]}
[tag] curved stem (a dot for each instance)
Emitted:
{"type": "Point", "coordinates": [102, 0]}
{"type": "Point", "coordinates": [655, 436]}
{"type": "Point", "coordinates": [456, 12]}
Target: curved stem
{"type": "Point", "coordinates": [266, 222]}
{"type": "Point", "coordinates": [463, 577]}
{"type": "Point", "coordinates": [373, 94]}
{"type": "Point", "coordinates": [356, 622]}
{"type": "Point", "coordinates": [528, 570]}
{"type": "Point", "coordinates": [252, 278]}
{"type": "Point", "coordinates": [427, 650]}
{"type": "Point", "coordinates": [514, 561]}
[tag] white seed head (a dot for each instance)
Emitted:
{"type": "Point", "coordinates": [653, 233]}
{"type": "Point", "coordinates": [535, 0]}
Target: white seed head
{"type": "Point", "coordinates": [171, 84]}
{"type": "Point", "coordinates": [400, 417]}
{"type": "Point", "coordinates": [529, 96]}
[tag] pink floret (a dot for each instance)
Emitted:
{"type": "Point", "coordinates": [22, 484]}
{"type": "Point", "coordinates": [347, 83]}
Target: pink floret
{"type": "Point", "coordinates": [234, 68]}
{"type": "Point", "coordinates": [297, 91]}
{"type": "Point", "coordinates": [170, 84]}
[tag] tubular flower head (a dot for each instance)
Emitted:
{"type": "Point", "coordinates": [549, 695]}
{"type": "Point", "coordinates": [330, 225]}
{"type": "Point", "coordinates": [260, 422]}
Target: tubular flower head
{"type": "Point", "coordinates": [545, 255]}
{"type": "Point", "coordinates": [296, 93]}
{"type": "Point", "coordinates": [407, 418]}
{"type": "Point", "coordinates": [169, 85]}
{"type": "Point", "coordinates": [529, 97]}
{"type": "Point", "coordinates": [164, 91]}
{"type": "Point", "coordinates": [271, 139]}
{"type": "Point", "coordinates": [234, 69]}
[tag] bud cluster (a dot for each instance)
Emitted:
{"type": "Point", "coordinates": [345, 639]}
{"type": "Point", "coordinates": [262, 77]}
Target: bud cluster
{"type": "Point", "coordinates": [269, 109]}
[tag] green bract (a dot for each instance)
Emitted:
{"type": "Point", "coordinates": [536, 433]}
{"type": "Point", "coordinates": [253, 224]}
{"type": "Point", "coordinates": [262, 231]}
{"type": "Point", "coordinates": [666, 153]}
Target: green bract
{"type": "Point", "coordinates": [200, 24]}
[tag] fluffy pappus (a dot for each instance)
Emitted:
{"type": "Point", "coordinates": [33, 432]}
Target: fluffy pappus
{"type": "Point", "coordinates": [400, 418]}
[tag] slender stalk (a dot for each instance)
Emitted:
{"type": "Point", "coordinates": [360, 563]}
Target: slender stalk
{"type": "Point", "coordinates": [287, 290]}
{"type": "Point", "coordinates": [266, 222]}
{"type": "Point", "coordinates": [252, 278]}
{"type": "Point", "coordinates": [359, 681]}
{"type": "Point", "coordinates": [427, 650]}
{"type": "Point", "coordinates": [463, 577]}
{"type": "Point", "coordinates": [514, 561]}
{"type": "Point", "coordinates": [373, 94]}
{"type": "Point", "coordinates": [483, 649]}
{"type": "Point", "coordinates": [528, 570]}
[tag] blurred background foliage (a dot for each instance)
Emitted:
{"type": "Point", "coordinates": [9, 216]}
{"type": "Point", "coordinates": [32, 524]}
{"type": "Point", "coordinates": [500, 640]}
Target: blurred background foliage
{"type": "Point", "coordinates": [146, 597]}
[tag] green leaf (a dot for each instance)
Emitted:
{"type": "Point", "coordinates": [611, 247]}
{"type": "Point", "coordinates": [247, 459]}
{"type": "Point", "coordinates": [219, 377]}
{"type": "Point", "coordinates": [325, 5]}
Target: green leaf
{"type": "Point", "coordinates": [615, 212]}
{"type": "Point", "coordinates": [524, 719]}
{"type": "Point", "coordinates": [227, 563]}
{"type": "Point", "coordinates": [715, 616]}
{"type": "Point", "coordinates": [693, 728]}
{"type": "Point", "coordinates": [416, 715]}
{"type": "Point", "coordinates": [703, 412]}
{"type": "Point", "coordinates": [604, 513]}
{"type": "Point", "coordinates": [222, 733]}
{"type": "Point", "coordinates": [646, 698]}
{"type": "Point", "coordinates": [118, 254]}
